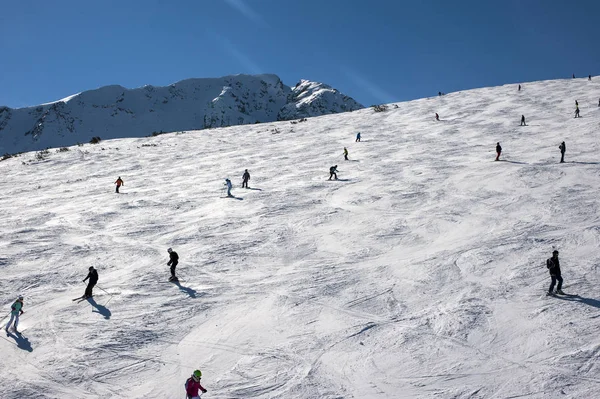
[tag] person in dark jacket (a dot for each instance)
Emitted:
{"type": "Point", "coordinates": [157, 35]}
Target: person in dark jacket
{"type": "Point", "coordinates": [519, 87]}
{"type": "Point", "coordinates": [119, 183]}
{"type": "Point", "coordinates": [93, 276]}
{"type": "Point", "coordinates": [437, 117]}
{"type": "Point", "coordinates": [245, 178]}
{"type": "Point", "coordinates": [563, 148]}
{"type": "Point", "coordinates": [498, 151]}
{"type": "Point", "coordinates": [357, 138]}
{"type": "Point", "coordinates": [523, 120]}
{"type": "Point", "coordinates": [173, 261]}
{"type": "Point", "coordinates": [553, 266]}
{"type": "Point", "coordinates": [577, 111]}
{"type": "Point", "coordinates": [332, 171]}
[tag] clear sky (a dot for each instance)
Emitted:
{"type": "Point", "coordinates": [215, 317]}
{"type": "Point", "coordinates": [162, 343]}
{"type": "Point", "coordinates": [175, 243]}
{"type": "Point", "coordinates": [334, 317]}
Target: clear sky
{"type": "Point", "coordinates": [375, 51]}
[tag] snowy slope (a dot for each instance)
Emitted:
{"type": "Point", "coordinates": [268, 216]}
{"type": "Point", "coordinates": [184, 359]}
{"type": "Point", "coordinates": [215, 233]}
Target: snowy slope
{"type": "Point", "coordinates": [419, 274]}
{"type": "Point", "coordinates": [116, 112]}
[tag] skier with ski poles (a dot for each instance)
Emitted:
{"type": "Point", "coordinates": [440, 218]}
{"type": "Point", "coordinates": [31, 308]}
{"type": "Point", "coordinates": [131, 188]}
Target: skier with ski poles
{"type": "Point", "coordinates": [192, 386]}
{"type": "Point", "coordinates": [16, 310]}
{"type": "Point", "coordinates": [93, 276]}
{"type": "Point", "coordinates": [345, 153]}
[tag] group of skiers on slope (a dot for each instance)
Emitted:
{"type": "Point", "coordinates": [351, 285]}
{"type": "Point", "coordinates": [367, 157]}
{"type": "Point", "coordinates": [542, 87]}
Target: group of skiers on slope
{"type": "Point", "coordinates": [229, 186]}
{"type": "Point", "coordinates": [333, 169]}
{"type": "Point", "coordinates": [562, 147]}
{"type": "Point", "coordinates": [589, 77]}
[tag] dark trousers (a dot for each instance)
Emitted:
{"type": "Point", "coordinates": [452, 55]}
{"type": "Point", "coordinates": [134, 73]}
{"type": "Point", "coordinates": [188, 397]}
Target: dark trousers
{"type": "Point", "coordinates": [346, 157]}
{"type": "Point", "coordinates": [117, 188]}
{"type": "Point", "coordinates": [173, 269]}
{"type": "Point", "coordinates": [245, 183]}
{"type": "Point", "coordinates": [554, 279]}
{"type": "Point", "coordinates": [523, 123]}
{"type": "Point", "coordinates": [332, 175]}
{"type": "Point", "coordinates": [562, 157]}
{"type": "Point", "coordinates": [497, 156]}
{"type": "Point", "coordinates": [89, 288]}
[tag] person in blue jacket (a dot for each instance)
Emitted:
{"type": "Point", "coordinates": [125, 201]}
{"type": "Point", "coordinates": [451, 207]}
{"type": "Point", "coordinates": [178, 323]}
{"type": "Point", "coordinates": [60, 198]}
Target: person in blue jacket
{"type": "Point", "coordinates": [16, 310]}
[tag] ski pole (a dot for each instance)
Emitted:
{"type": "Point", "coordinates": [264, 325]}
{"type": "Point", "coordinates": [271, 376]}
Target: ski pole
{"type": "Point", "coordinates": [103, 290]}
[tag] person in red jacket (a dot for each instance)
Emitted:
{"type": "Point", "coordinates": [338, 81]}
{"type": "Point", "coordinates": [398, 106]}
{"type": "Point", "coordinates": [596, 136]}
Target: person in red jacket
{"type": "Point", "coordinates": [192, 385]}
{"type": "Point", "coordinates": [119, 183]}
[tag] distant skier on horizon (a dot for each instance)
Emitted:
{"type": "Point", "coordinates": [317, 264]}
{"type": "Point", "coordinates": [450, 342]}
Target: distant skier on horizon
{"type": "Point", "coordinates": [16, 310]}
{"type": "Point", "coordinates": [173, 261]}
{"type": "Point", "coordinates": [228, 185]}
{"type": "Point", "coordinates": [498, 151]}
{"type": "Point", "coordinates": [589, 77]}
{"type": "Point", "coordinates": [553, 266]}
{"type": "Point", "coordinates": [519, 87]}
{"type": "Point", "coordinates": [523, 120]}
{"type": "Point", "coordinates": [119, 183]}
{"type": "Point", "coordinates": [332, 172]}
{"type": "Point", "coordinates": [563, 149]}
{"type": "Point", "coordinates": [245, 178]}
{"type": "Point", "coordinates": [345, 153]}
{"type": "Point", "coordinates": [93, 276]}
{"type": "Point", "coordinates": [357, 138]}
{"type": "Point", "coordinates": [573, 76]}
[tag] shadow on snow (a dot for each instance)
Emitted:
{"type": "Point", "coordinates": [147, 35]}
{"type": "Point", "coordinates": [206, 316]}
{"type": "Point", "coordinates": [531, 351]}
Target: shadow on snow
{"type": "Point", "coordinates": [576, 298]}
{"type": "Point", "coordinates": [21, 341]}
{"type": "Point", "coordinates": [103, 310]}
{"type": "Point", "coordinates": [190, 291]}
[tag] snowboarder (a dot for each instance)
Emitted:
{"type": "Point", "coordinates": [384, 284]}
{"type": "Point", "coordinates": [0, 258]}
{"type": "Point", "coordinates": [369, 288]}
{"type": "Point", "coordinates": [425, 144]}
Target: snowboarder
{"type": "Point", "coordinates": [577, 111]}
{"type": "Point", "coordinates": [345, 153]}
{"type": "Point", "coordinates": [192, 386]}
{"type": "Point", "coordinates": [437, 117]}
{"type": "Point", "coordinates": [245, 178]}
{"type": "Point", "coordinates": [523, 120]}
{"type": "Point", "coordinates": [498, 151]}
{"type": "Point", "coordinates": [16, 310]}
{"type": "Point", "coordinates": [93, 276]}
{"type": "Point", "coordinates": [553, 266]}
{"type": "Point", "coordinates": [173, 261]}
{"type": "Point", "coordinates": [519, 87]}
{"type": "Point", "coordinates": [228, 185]}
{"type": "Point", "coordinates": [357, 138]}
{"type": "Point", "coordinates": [332, 171]}
{"type": "Point", "coordinates": [119, 183]}
{"type": "Point", "coordinates": [563, 148]}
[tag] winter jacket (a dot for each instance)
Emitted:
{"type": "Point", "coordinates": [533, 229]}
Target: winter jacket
{"type": "Point", "coordinates": [498, 148]}
{"type": "Point", "coordinates": [553, 266]}
{"type": "Point", "coordinates": [174, 258]}
{"type": "Point", "coordinates": [119, 182]}
{"type": "Point", "coordinates": [17, 307]}
{"type": "Point", "coordinates": [192, 387]}
{"type": "Point", "coordinates": [563, 147]}
{"type": "Point", "coordinates": [228, 184]}
{"type": "Point", "coordinates": [333, 169]}
{"type": "Point", "coordinates": [93, 276]}
{"type": "Point", "coordinates": [246, 176]}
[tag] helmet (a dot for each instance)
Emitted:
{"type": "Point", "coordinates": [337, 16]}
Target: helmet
{"type": "Point", "coordinates": [197, 375]}
{"type": "Point", "coordinates": [170, 250]}
{"type": "Point", "coordinates": [555, 252]}
{"type": "Point", "coordinates": [21, 297]}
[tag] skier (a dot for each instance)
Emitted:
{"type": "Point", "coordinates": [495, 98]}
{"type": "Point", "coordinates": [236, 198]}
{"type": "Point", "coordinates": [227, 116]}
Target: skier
{"type": "Point", "coordinates": [498, 151]}
{"type": "Point", "coordinates": [437, 117]}
{"type": "Point", "coordinates": [173, 261]}
{"type": "Point", "coordinates": [332, 171]}
{"type": "Point", "coordinates": [192, 385]}
{"type": "Point", "coordinates": [345, 153]}
{"type": "Point", "coordinates": [358, 135]}
{"type": "Point", "coordinates": [439, 93]}
{"type": "Point", "coordinates": [523, 120]}
{"type": "Point", "coordinates": [119, 183]}
{"type": "Point", "coordinates": [16, 310]}
{"type": "Point", "coordinates": [519, 87]}
{"type": "Point", "coordinates": [93, 276]}
{"type": "Point", "coordinates": [228, 185]}
{"type": "Point", "coordinates": [245, 178]}
{"type": "Point", "coordinates": [589, 77]}
{"type": "Point", "coordinates": [563, 148]}
{"type": "Point", "coordinates": [573, 76]}
{"type": "Point", "coordinates": [577, 111]}
{"type": "Point", "coordinates": [553, 266]}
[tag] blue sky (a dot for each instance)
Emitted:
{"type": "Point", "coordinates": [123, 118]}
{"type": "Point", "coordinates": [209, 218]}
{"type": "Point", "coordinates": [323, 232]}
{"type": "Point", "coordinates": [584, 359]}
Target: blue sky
{"type": "Point", "coordinates": [374, 51]}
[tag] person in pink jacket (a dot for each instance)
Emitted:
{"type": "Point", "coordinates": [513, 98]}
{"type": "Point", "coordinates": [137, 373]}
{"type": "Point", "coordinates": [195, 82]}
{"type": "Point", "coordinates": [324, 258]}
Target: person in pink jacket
{"type": "Point", "coordinates": [192, 385]}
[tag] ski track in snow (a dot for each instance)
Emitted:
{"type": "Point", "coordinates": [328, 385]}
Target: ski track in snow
{"type": "Point", "coordinates": [420, 274]}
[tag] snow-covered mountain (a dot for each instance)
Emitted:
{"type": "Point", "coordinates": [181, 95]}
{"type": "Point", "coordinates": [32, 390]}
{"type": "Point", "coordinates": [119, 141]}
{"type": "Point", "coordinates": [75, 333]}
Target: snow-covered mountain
{"type": "Point", "coordinates": [420, 273]}
{"type": "Point", "coordinates": [192, 104]}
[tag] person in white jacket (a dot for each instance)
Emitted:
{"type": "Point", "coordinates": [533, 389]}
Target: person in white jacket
{"type": "Point", "coordinates": [228, 184]}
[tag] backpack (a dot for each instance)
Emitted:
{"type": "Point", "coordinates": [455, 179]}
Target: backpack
{"type": "Point", "coordinates": [186, 385]}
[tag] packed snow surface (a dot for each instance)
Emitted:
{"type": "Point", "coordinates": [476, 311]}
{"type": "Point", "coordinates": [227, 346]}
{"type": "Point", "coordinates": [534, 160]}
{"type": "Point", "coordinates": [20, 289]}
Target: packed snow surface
{"type": "Point", "coordinates": [420, 273]}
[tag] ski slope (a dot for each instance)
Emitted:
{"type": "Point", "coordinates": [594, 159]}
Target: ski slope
{"type": "Point", "coordinates": [419, 274]}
